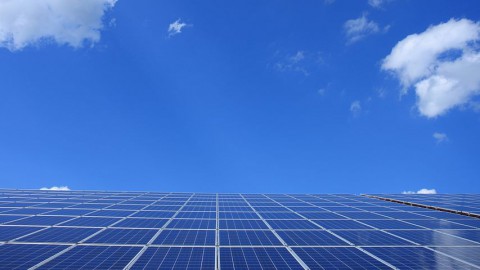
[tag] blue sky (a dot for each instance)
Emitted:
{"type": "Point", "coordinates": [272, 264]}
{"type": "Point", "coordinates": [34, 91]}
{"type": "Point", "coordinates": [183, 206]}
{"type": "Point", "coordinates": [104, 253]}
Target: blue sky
{"type": "Point", "coordinates": [235, 96]}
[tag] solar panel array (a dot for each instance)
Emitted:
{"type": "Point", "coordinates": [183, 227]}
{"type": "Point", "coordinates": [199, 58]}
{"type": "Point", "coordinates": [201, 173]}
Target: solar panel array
{"type": "Point", "coordinates": [149, 230]}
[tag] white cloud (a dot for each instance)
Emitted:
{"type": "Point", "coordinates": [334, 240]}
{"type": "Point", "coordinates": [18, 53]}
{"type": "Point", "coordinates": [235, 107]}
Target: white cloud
{"type": "Point", "coordinates": [442, 64]}
{"type": "Point", "coordinates": [176, 27]}
{"type": "Point", "coordinates": [72, 22]}
{"type": "Point", "coordinates": [356, 29]}
{"type": "Point", "coordinates": [356, 108]}
{"type": "Point", "coordinates": [440, 137]}
{"type": "Point", "coordinates": [375, 3]}
{"type": "Point", "coordinates": [55, 188]}
{"type": "Point", "coordinates": [422, 191]}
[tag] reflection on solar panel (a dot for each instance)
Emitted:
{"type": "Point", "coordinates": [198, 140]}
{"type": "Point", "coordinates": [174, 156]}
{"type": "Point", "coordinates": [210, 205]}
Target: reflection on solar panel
{"type": "Point", "coordinates": [151, 230]}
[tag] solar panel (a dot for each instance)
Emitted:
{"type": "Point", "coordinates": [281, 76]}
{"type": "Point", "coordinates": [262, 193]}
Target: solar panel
{"type": "Point", "coordinates": [93, 257]}
{"type": "Point", "coordinates": [176, 258]}
{"type": "Point", "coordinates": [257, 258]}
{"type": "Point", "coordinates": [338, 258]}
{"type": "Point", "coordinates": [148, 230]}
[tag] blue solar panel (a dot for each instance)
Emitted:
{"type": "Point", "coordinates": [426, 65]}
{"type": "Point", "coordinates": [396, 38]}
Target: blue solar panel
{"type": "Point", "coordinates": [473, 235]}
{"type": "Point", "coordinates": [8, 233]}
{"type": "Point", "coordinates": [416, 258]}
{"type": "Point", "coordinates": [241, 224]}
{"type": "Point", "coordinates": [186, 237]}
{"type": "Point", "coordinates": [248, 238]}
{"type": "Point", "coordinates": [467, 254]}
{"type": "Point", "coordinates": [192, 224]}
{"type": "Point", "coordinates": [340, 224]}
{"type": "Point", "coordinates": [176, 258]}
{"type": "Point", "coordinates": [153, 223]}
{"type": "Point", "coordinates": [197, 215]}
{"type": "Point", "coordinates": [4, 219]}
{"type": "Point", "coordinates": [431, 238]}
{"type": "Point", "coordinates": [389, 224]}
{"type": "Point", "coordinates": [310, 238]}
{"type": "Point", "coordinates": [292, 224]}
{"type": "Point", "coordinates": [338, 258]}
{"type": "Point", "coordinates": [26, 256]}
{"type": "Point", "coordinates": [93, 257]}
{"type": "Point", "coordinates": [40, 220]}
{"type": "Point", "coordinates": [257, 258]}
{"type": "Point", "coordinates": [59, 235]}
{"type": "Point", "coordinates": [322, 215]}
{"type": "Point", "coordinates": [438, 224]}
{"type": "Point", "coordinates": [154, 214]}
{"type": "Point", "coordinates": [371, 238]}
{"type": "Point", "coordinates": [123, 236]}
{"type": "Point", "coordinates": [91, 221]}
{"type": "Point", "coordinates": [238, 215]}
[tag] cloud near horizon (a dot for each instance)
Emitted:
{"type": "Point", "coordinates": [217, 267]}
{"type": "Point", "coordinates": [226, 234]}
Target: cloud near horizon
{"type": "Point", "coordinates": [28, 23]}
{"type": "Point", "coordinates": [442, 64]}
{"type": "Point", "coordinates": [55, 188]}
{"type": "Point", "coordinates": [421, 191]}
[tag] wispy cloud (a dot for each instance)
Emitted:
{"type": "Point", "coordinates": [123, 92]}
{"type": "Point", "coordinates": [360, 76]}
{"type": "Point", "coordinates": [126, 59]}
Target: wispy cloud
{"type": "Point", "coordinates": [421, 191]}
{"type": "Point", "coordinates": [176, 27]}
{"type": "Point", "coordinates": [55, 188]}
{"type": "Point", "coordinates": [376, 3]}
{"type": "Point", "coordinates": [440, 137]}
{"type": "Point", "coordinates": [359, 28]}
{"type": "Point", "coordinates": [441, 63]}
{"type": "Point", "coordinates": [29, 23]}
{"type": "Point", "coordinates": [300, 61]}
{"type": "Point", "coordinates": [356, 108]}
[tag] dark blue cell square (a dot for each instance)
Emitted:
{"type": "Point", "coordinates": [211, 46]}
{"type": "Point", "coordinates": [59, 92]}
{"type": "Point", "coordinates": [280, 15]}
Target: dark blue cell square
{"type": "Point", "coordinates": [257, 258]}
{"type": "Point", "coordinates": [176, 258]}
{"type": "Point", "coordinates": [93, 257]}
{"type": "Point", "coordinates": [8, 233]}
{"type": "Point", "coordinates": [186, 237]}
{"type": "Point", "coordinates": [59, 235]}
{"type": "Point", "coordinates": [248, 238]}
{"type": "Point", "coordinates": [25, 256]}
{"type": "Point", "coordinates": [337, 258]}
{"type": "Point", "coordinates": [123, 236]}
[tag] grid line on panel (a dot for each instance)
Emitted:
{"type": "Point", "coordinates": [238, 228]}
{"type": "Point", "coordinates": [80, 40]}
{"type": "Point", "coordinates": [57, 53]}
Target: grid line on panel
{"type": "Point", "coordinates": [217, 233]}
{"type": "Point", "coordinates": [85, 239]}
{"type": "Point", "coordinates": [297, 258]}
{"type": "Point", "coordinates": [145, 247]}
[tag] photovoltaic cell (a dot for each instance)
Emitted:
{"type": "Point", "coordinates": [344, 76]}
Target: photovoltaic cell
{"type": "Point", "coordinates": [257, 258]}
{"type": "Point", "coordinates": [26, 256]}
{"type": "Point", "coordinates": [241, 224]}
{"type": "Point", "coordinates": [40, 220]}
{"type": "Point", "coordinates": [248, 238]}
{"type": "Point", "coordinates": [91, 222]}
{"type": "Point", "coordinates": [432, 238]}
{"type": "Point", "coordinates": [176, 258]}
{"type": "Point", "coordinates": [123, 236]}
{"type": "Point", "coordinates": [467, 254]}
{"type": "Point", "coordinates": [59, 235]}
{"type": "Point", "coordinates": [338, 258]}
{"type": "Point", "coordinates": [186, 237]}
{"type": "Point", "coordinates": [311, 238]}
{"type": "Point", "coordinates": [371, 238]}
{"type": "Point", "coordinates": [8, 233]}
{"type": "Point", "coordinates": [192, 224]}
{"type": "Point", "coordinates": [153, 223]}
{"type": "Point", "coordinates": [93, 257]}
{"type": "Point", "coordinates": [416, 258]}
